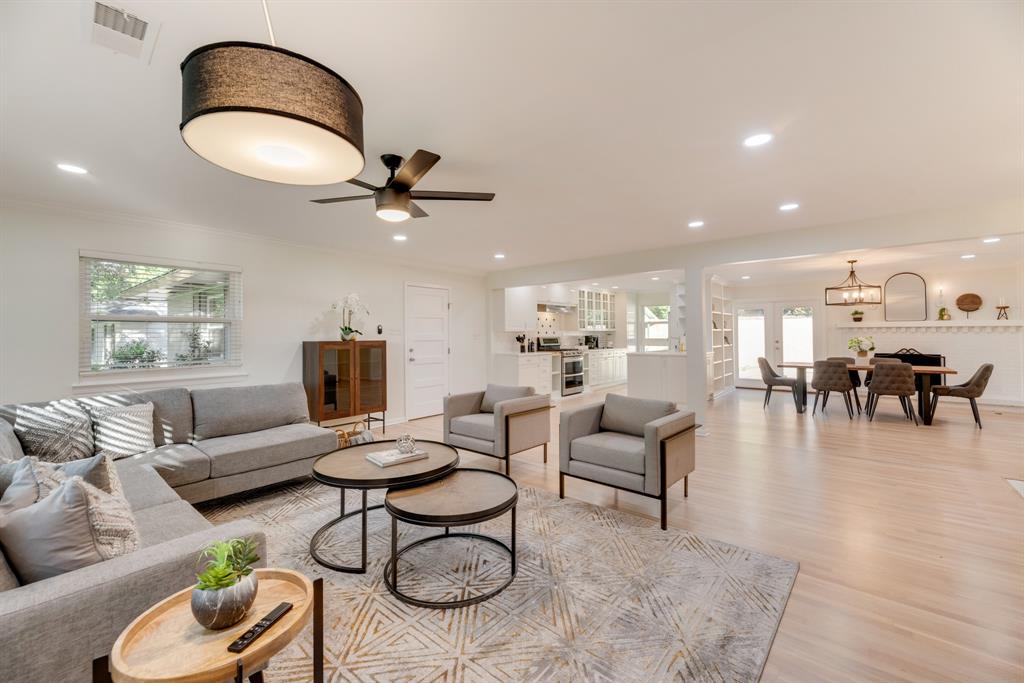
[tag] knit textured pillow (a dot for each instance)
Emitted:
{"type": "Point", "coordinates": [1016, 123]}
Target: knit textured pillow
{"type": "Point", "coordinates": [123, 431]}
{"type": "Point", "coordinates": [58, 432]}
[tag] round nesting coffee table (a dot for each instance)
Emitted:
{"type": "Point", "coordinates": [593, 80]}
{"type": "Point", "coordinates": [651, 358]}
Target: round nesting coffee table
{"type": "Point", "coordinates": [348, 468]}
{"type": "Point", "coordinates": [464, 497]}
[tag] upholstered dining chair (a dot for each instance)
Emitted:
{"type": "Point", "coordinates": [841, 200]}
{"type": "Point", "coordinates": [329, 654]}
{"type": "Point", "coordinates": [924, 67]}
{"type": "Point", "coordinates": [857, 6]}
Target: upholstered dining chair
{"type": "Point", "coordinates": [892, 379]}
{"type": "Point", "coordinates": [854, 377]}
{"type": "Point", "coordinates": [873, 361]}
{"type": "Point", "coordinates": [500, 421]}
{"type": "Point", "coordinates": [829, 376]}
{"type": "Point", "coordinates": [633, 444]}
{"type": "Point", "coordinates": [972, 390]}
{"type": "Point", "coordinates": [773, 379]}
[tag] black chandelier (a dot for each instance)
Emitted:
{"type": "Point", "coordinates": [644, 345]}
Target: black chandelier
{"type": "Point", "coordinates": [853, 291]}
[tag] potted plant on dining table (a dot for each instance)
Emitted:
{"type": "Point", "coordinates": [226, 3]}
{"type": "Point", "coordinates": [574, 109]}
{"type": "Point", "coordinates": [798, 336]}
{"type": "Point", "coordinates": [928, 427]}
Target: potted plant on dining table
{"type": "Point", "coordinates": [862, 345]}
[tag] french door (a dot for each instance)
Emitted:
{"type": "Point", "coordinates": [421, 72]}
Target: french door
{"type": "Point", "coordinates": [781, 332]}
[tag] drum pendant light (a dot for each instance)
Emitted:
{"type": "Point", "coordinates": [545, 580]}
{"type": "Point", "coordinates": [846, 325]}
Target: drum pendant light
{"type": "Point", "coordinates": [269, 113]}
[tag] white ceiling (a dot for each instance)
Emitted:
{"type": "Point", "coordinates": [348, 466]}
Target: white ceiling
{"type": "Point", "coordinates": [602, 127]}
{"type": "Point", "coordinates": [634, 282]}
{"type": "Point", "coordinates": [875, 265]}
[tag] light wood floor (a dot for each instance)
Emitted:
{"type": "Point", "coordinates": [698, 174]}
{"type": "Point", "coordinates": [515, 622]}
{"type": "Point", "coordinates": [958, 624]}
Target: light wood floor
{"type": "Point", "coordinates": [910, 541]}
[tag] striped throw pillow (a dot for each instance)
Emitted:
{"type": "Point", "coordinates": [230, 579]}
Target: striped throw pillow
{"type": "Point", "coordinates": [122, 431]}
{"type": "Point", "coordinates": [58, 432]}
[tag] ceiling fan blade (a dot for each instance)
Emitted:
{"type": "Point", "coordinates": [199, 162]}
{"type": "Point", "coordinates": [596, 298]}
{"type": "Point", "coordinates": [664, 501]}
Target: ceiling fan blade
{"type": "Point", "coordinates": [414, 169]}
{"type": "Point", "coordinates": [417, 212]}
{"type": "Point", "coordinates": [362, 184]}
{"type": "Point", "coordinates": [453, 196]}
{"type": "Point", "coordinates": [333, 200]}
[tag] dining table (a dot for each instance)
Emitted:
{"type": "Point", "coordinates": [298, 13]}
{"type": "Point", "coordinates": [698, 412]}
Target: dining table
{"type": "Point", "coordinates": [926, 373]}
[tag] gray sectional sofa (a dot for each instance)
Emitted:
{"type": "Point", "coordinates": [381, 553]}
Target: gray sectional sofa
{"type": "Point", "coordinates": [210, 443]}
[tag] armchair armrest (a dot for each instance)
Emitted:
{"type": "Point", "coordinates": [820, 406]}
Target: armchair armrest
{"type": "Point", "coordinates": [529, 423]}
{"type": "Point", "coordinates": [572, 425]}
{"type": "Point", "coordinates": [85, 610]}
{"type": "Point", "coordinates": [458, 405]}
{"type": "Point", "coordinates": [676, 432]}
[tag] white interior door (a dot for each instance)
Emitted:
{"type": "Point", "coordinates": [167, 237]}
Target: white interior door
{"type": "Point", "coordinates": [426, 350]}
{"type": "Point", "coordinates": [778, 331]}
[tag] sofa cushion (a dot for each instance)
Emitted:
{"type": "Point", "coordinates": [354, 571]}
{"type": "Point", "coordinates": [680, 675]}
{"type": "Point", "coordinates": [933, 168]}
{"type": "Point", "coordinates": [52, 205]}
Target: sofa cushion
{"type": "Point", "coordinates": [168, 521]}
{"type": "Point", "coordinates": [172, 411]}
{"type": "Point", "coordinates": [628, 415]}
{"type": "Point", "coordinates": [123, 430]}
{"type": "Point", "coordinates": [58, 432]}
{"type": "Point", "coordinates": [610, 449]}
{"type": "Point", "coordinates": [77, 525]}
{"type": "Point", "coordinates": [268, 447]}
{"type": "Point", "coordinates": [177, 463]}
{"type": "Point", "coordinates": [143, 487]}
{"type": "Point", "coordinates": [496, 393]}
{"type": "Point", "coordinates": [471, 444]}
{"type": "Point", "coordinates": [477, 425]}
{"type": "Point", "coordinates": [240, 410]}
{"type": "Point", "coordinates": [7, 578]}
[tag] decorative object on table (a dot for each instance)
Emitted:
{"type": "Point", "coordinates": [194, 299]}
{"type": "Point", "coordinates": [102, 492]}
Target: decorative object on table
{"type": "Point", "coordinates": [906, 298]}
{"type": "Point", "coordinates": [351, 305]}
{"type": "Point", "coordinates": [227, 586]}
{"type": "Point", "coordinates": [270, 113]}
{"type": "Point", "coordinates": [1003, 315]}
{"type": "Point", "coordinates": [968, 303]}
{"type": "Point", "coordinates": [405, 443]}
{"type": "Point", "coordinates": [393, 456]}
{"type": "Point", "coordinates": [853, 291]}
{"type": "Point", "coordinates": [353, 435]}
{"type": "Point", "coordinates": [944, 314]}
{"type": "Point", "coordinates": [857, 316]}
{"type": "Point", "coordinates": [521, 338]}
{"type": "Point", "coordinates": [394, 198]}
{"type": "Point", "coordinates": [862, 345]}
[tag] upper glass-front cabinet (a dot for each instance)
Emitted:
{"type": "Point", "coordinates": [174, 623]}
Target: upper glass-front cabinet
{"type": "Point", "coordinates": [596, 310]}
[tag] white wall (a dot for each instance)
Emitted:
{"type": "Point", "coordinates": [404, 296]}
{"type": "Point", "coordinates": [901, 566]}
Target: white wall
{"type": "Point", "coordinates": [287, 292]}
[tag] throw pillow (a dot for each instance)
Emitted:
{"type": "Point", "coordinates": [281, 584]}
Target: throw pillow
{"type": "Point", "coordinates": [77, 525]}
{"type": "Point", "coordinates": [10, 447]}
{"type": "Point", "coordinates": [43, 477]}
{"type": "Point", "coordinates": [58, 432]}
{"type": "Point", "coordinates": [496, 393]}
{"type": "Point", "coordinates": [123, 431]}
{"type": "Point", "coordinates": [7, 578]}
{"type": "Point", "coordinates": [29, 485]}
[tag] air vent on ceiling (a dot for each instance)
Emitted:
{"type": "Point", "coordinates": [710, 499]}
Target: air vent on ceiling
{"type": "Point", "coordinates": [118, 30]}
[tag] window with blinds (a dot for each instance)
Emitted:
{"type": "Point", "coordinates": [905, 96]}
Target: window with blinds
{"type": "Point", "coordinates": [142, 314]}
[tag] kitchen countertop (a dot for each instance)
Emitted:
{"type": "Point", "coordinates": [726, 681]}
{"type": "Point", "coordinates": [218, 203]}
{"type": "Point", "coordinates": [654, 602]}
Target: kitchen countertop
{"type": "Point", "coordinates": [658, 353]}
{"type": "Point", "coordinates": [528, 353]}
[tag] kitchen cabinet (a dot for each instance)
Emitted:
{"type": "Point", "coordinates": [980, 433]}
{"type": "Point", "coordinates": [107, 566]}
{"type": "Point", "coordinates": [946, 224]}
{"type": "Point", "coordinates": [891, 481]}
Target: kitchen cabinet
{"type": "Point", "coordinates": [606, 366]}
{"type": "Point", "coordinates": [595, 310]}
{"type": "Point", "coordinates": [535, 370]}
{"type": "Point", "coordinates": [658, 375]}
{"type": "Point", "coordinates": [558, 295]}
{"type": "Point", "coordinates": [516, 309]}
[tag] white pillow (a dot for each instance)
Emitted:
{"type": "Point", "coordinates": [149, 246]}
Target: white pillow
{"type": "Point", "coordinates": [123, 431]}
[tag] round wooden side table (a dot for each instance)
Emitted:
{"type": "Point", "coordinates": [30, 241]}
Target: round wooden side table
{"type": "Point", "coordinates": [166, 645]}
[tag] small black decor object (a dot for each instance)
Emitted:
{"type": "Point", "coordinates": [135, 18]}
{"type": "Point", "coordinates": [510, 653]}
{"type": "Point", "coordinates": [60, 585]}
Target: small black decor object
{"type": "Point", "coordinates": [380, 329]}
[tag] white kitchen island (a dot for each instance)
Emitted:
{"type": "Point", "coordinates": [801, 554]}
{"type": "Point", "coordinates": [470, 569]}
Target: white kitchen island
{"type": "Point", "coordinates": [657, 374]}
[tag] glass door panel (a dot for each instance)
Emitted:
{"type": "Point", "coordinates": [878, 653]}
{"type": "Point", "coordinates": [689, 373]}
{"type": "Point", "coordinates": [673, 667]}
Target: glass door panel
{"type": "Point", "coordinates": [752, 324]}
{"type": "Point", "coordinates": [797, 326]}
{"type": "Point", "coordinates": [372, 377]}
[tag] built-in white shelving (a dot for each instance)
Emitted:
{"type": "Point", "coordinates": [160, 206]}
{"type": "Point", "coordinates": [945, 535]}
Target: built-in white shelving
{"type": "Point", "coordinates": [723, 359]}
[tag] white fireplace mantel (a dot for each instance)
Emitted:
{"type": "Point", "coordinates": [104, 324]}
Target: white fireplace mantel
{"type": "Point", "coordinates": [941, 325]}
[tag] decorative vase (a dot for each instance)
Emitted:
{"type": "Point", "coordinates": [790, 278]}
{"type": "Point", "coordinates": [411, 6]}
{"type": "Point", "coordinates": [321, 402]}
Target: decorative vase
{"type": "Point", "coordinates": [405, 444]}
{"type": "Point", "coordinates": [862, 354]}
{"type": "Point", "coordinates": [224, 607]}
{"type": "Point", "coordinates": [349, 336]}
{"type": "Point", "coordinates": [858, 318]}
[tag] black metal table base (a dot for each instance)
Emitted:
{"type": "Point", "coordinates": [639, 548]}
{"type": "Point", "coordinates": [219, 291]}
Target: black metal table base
{"type": "Point", "coordinates": [391, 568]}
{"type": "Point", "coordinates": [315, 540]}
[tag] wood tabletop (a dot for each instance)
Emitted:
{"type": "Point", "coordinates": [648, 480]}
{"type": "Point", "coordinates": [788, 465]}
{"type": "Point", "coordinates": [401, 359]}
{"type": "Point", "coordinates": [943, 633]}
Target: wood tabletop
{"type": "Point", "coordinates": [166, 644]}
{"type": "Point", "coordinates": [465, 495]}
{"type": "Point", "coordinates": [349, 467]}
{"type": "Point", "coordinates": [865, 367]}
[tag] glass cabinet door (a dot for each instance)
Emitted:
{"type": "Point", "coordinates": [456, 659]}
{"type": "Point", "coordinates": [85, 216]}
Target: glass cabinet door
{"type": "Point", "coordinates": [372, 377]}
{"type": "Point", "coordinates": [336, 366]}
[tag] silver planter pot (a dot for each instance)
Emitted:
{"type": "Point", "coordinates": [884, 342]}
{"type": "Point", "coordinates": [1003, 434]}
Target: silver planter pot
{"type": "Point", "coordinates": [226, 606]}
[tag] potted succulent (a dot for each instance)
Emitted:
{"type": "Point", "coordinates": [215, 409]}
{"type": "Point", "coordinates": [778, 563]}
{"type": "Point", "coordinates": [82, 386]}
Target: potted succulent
{"type": "Point", "coordinates": [857, 316]}
{"type": "Point", "coordinates": [227, 585]}
{"type": "Point", "coordinates": [862, 345]}
{"type": "Point", "coordinates": [350, 305]}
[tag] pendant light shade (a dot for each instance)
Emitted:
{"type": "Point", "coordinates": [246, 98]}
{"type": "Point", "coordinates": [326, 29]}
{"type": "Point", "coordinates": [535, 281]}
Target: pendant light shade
{"type": "Point", "coordinates": [272, 114]}
{"type": "Point", "coordinates": [853, 291]}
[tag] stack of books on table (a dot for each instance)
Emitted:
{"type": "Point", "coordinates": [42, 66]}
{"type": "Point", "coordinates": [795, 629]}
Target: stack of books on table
{"type": "Point", "coordinates": [394, 457]}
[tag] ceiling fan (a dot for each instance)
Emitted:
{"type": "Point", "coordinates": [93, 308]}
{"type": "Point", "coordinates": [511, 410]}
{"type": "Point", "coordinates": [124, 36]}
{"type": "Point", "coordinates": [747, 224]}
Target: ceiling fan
{"type": "Point", "coordinates": [395, 199]}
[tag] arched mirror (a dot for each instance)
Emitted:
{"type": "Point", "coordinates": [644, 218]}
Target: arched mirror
{"type": "Point", "coordinates": [906, 297]}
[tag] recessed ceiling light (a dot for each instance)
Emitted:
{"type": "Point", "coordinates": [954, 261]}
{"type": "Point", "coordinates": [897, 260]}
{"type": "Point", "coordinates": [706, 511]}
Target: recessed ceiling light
{"type": "Point", "coordinates": [990, 240]}
{"type": "Point", "coordinates": [499, 256]}
{"type": "Point", "coordinates": [696, 224]}
{"type": "Point", "coordinates": [967, 256]}
{"type": "Point", "coordinates": [745, 277]}
{"type": "Point", "coordinates": [655, 278]}
{"type": "Point", "coordinates": [615, 286]}
{"type": "Point", "coordinates": [594, 284]}
{"type": "Point", "coordinates": [757, 140]}
{"type": "Point", "coordinates": [792, 206]}
{"type": "Point", "coordinates": [399, 238]}
{"type": "Point", "coordinates": [71, 168]}
{"type": "Point", "coordinates": [543, 286]}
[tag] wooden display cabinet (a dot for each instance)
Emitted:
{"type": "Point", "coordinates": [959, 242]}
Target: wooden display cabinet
{"type": "Point", "coordinates": [344, 379]}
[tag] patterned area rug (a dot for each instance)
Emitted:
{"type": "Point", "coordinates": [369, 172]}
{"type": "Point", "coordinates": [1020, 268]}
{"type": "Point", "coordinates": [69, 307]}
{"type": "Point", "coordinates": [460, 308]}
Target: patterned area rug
{"type": "Point", "coordinates": [600, 595]}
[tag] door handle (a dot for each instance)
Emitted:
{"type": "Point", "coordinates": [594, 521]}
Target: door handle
{"type": "Point", "coordinates": [411, 359]}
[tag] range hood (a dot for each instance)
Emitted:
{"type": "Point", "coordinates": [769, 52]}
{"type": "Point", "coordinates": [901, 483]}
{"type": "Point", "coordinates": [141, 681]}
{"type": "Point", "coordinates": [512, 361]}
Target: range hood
{"type": "Point", "coordinates": [555, 308]}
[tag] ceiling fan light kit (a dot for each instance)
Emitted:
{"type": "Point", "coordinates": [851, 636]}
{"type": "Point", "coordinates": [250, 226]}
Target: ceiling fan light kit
{"type": "Point", "coordinates": [853, 291]}
{"type": "Point", "coordinates": [272, 114]}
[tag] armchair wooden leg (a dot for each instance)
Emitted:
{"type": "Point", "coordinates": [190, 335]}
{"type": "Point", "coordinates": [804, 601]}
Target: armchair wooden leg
{"type": "Point", "coordinates": [561, 485]}
{"type": "Point", "coordinates": [686, 485]}
{"type": "Point", "coordinates": [664, 510]}
{"type": "Point", "coordinates": [508, 464]}
{"type": "Point", "coordinates": [545, 453]}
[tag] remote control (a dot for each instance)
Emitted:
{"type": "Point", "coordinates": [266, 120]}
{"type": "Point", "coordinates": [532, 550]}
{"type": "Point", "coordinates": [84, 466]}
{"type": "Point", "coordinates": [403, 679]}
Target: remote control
{"type": "Point", "coordinates": [257, 629]}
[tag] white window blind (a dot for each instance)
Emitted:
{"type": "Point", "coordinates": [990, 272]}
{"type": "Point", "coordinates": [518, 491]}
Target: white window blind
{"type": "Point", "coordinates": [139, 315]}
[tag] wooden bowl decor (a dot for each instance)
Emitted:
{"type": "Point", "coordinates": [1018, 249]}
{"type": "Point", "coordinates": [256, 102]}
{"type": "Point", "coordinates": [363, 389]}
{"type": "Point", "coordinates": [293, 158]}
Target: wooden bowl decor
{"type": "Point", "coordinates": [968, 303]}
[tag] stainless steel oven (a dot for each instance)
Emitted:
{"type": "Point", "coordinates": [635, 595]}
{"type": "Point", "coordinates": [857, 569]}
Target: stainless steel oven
{"type": "Point", "coordinates": [572, 372]}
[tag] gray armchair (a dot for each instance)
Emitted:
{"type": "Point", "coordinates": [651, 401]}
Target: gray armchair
{"type": "Point", "coordinates": [500, 422]}
{"type": "Point", "coordinates": [633, 444]}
